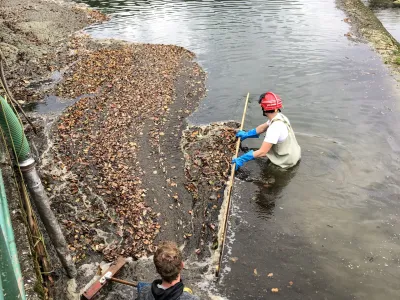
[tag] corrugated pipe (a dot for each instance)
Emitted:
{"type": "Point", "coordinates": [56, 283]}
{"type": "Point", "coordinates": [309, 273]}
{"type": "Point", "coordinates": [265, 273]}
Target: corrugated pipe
{"type": "Point", "coordinates": [13, 130]}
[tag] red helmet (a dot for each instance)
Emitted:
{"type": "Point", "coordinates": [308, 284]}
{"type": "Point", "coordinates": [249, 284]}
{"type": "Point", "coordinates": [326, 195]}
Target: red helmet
{"type": "Point", "coordinates": [270, 101]}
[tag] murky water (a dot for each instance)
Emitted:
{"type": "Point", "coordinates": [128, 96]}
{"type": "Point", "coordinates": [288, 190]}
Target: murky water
{"type": "Point", "coordinates": [331, 225]}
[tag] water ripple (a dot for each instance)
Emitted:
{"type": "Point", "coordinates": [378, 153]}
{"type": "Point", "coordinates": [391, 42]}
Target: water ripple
{"type": "Point", "coordinates": [326, 216]}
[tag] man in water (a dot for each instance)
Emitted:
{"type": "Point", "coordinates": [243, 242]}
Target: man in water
{"type": "Point", "coordinates": [169, 264]}
{"type": "Point", "coordinates": [280, 144]}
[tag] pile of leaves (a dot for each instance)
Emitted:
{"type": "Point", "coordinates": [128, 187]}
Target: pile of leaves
{"type": "Point", "coordinates": [208, 151]}
{"type": "Point", "coordinates": [96, 139]}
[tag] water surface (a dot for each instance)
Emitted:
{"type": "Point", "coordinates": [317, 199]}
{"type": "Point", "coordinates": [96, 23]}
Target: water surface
{"type": "Point", "coordinates": [331, 225]}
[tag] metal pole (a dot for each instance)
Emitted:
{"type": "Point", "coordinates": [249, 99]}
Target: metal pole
{"type": "Point", "coordinates": [47, 216]}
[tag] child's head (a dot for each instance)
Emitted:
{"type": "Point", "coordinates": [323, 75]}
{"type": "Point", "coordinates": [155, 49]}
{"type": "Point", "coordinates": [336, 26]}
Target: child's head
{"type": "Point", "coordinates": [168, 261]}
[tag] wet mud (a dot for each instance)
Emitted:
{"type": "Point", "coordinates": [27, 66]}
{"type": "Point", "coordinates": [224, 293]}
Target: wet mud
{"type": "Point", "coordinates": [115, 166]}
{"type": "Point", "coordinates": [121, 166]}
{"type": "Point", "coordinates": [114, 163]}
{"type": "Point", "coordinates": [32, 38]}
{"type": "Point", "coordinates": [34, 41]}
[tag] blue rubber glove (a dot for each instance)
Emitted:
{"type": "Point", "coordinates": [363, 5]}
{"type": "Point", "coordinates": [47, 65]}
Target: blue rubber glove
{"type": "Point", "coordinates": [249, 134]}
{"type": "Point", "coordinates": [239, 161]}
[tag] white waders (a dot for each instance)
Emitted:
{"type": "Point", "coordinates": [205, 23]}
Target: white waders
{"type": "Point", "coordinates": [285, 154]}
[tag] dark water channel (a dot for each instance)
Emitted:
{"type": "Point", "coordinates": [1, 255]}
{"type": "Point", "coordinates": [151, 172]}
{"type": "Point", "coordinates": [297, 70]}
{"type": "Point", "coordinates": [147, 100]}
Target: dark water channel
{"type": "Point", "coordinates": [331, 226]}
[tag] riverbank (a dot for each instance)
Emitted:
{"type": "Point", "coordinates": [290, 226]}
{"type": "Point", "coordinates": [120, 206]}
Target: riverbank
{"type": "Point", "coordinates": [383, 3]}
{"type": "Point", "coordinates": [31, 32]}
{"type": "Point", "coordinates": [367, 26]}
{"type": "Point", "coordinates": [113, 162]}
{"type": "Point", "coordinates": [34, 40]}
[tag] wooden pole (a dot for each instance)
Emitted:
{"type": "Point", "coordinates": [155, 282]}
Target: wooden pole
{"type": "Point", "coordinates": [131, 283]}
{"type": "Point", "coordinates": [228, 196]}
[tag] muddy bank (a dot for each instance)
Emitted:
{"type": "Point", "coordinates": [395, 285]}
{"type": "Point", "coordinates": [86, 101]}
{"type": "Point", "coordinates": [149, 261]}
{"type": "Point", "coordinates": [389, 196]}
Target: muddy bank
{"type": "Point", "coordinates": [366, 25]}
{"type": "Point", "coordinates": [31, 35]}
{"type": "Point", "coordinates": [121, 168]}
{"type": "Point", "coordinates": [206, 150]}
{"type": "Point", "coordinates": [34, 40]}
{"type": "Point", "coordinates": [114, 163]}
{"type": "Point", "coordinates": [383, 3]}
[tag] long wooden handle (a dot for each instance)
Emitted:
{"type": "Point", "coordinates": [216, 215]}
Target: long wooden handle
{"type": "Point", "coordinates": [228, 197]}
{"type": "Point", "coordinates": [133, 283]}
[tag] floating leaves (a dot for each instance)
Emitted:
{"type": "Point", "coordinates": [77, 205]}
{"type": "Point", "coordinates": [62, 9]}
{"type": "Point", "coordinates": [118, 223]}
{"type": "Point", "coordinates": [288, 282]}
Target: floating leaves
{"type": "Point", "coordinates": [234, 259]}
{"type": "Point", "coordinates": [208, 151]}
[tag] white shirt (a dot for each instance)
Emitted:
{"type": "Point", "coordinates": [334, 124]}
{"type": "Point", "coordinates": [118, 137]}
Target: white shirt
{"type": "Point", "coordinates": [278, 131]}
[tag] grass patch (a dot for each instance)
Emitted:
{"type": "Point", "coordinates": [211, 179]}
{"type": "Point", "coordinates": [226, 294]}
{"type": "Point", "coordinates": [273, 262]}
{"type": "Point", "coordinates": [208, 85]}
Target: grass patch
{"type": "Point", "coordinates": [397, 60]}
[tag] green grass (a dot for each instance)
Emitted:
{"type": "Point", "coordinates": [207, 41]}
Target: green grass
{"type": "Point", "coordinates": [397, 60]}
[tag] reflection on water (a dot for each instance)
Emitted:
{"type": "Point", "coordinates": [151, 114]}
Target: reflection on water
{"type": "Point", "coordinates": [52, 104]}
{"type": "Point", "coordinates": [332, 225]}
{"type": "Point", "coordinates": [273, 181]}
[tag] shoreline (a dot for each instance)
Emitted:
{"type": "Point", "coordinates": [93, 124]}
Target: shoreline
{"type": "Point", "coordinates": [365, 25]}
{"type": "Point", "coordinates": [116, 162]}
{"type": "Point", "coordinates": [35, 38]}
{"type": "Point", "coordinates": [384, 3]}
{"type": "Point", "coordinates": [25, 45]}
{"type": "Point", "coordinates": [118, 155]}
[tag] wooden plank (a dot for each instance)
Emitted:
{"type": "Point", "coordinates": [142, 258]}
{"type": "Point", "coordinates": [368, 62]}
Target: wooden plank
{"type": "Point", "coordinates": [102, 281]}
